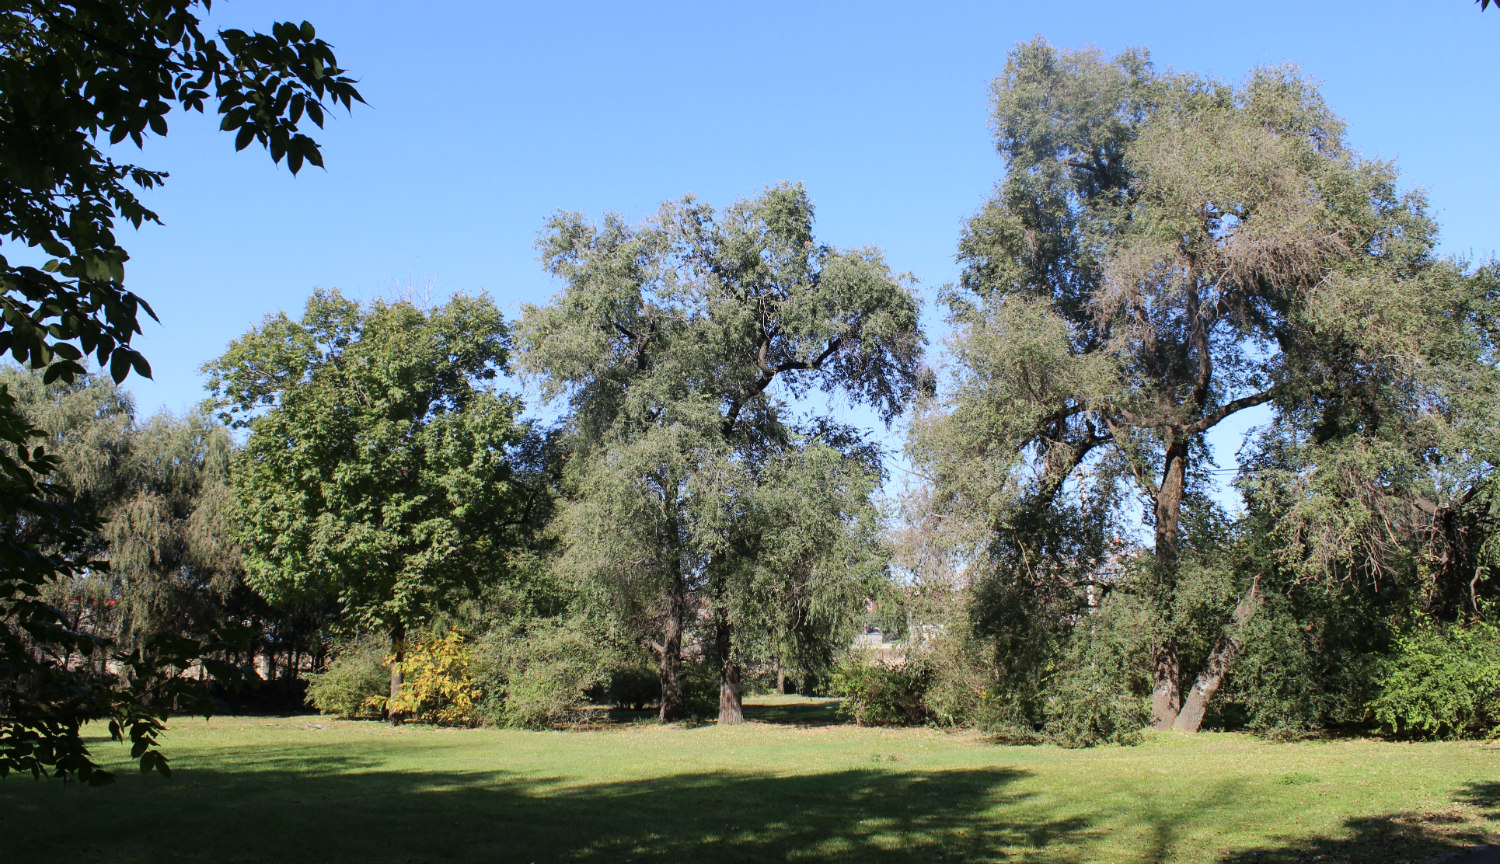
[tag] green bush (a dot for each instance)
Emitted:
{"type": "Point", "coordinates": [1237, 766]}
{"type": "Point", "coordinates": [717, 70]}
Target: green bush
{"type": "Point", "coordinates": [1098, 694]}
{"type": "Point", "coordinates": [700, 689]}
{"type": "Point", "coordinates": [1088, 705]}
{"type": "Point", "coordinates": [963, 687]}
{"type": "Point", "coordinates": [355, 683]}
{"type": "Point", "coordinates": [1311, 658]}
{"type": "Point", "coordinates": [636, 685]}
{"type": "Point", "coordinates": [633, 686]}
{"type": "Point", "coordinates": [883, 694]}
{"type": "Point", "coordinates": [1442, 682]}
{"type": "Point", "coordinates": [539, 676]}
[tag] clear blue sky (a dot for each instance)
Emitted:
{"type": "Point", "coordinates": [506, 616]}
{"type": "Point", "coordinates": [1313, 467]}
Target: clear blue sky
{"type": "Point", "coordinates": [484, 118]}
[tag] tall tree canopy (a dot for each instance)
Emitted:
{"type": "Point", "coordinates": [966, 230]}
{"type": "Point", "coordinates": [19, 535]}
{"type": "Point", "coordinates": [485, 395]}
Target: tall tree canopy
{"type": "Point", "coordinates": [1164, 252]}
{"type": "Point", "coordinates": [75, 78]}
{"type": "Point", "coordinates": [666, 340]}
{"type": "Point", "coordinates": [379, 466]}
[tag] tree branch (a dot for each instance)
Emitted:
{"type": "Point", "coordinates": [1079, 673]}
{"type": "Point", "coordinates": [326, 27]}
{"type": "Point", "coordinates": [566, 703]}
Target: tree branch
{"type": "Point", "coordinates": [1211, 420]}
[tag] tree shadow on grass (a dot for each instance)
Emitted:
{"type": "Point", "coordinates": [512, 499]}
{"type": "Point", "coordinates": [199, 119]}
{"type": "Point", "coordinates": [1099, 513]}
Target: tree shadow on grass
{"type": "Point", "coordinates": [1442, 835]}
{"type": "Point", "coordinates": [300, 804]}
{"type": "Point", "coordinates": [800, 714]}
{"type": "Point", "coordinates": [1483, 796]}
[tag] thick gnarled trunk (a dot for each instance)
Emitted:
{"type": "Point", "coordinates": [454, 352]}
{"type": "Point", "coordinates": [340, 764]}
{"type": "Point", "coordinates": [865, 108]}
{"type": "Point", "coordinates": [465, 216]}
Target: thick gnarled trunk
{"type": "Point", "coordinates": [1190, 719]}
{"type": "Point", "coordinates": [731, 701]}
{"type": "Point", "coordinates": [1166, 693]}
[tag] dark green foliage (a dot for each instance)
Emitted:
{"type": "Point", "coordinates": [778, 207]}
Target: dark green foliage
{"type": "Point", "coordinates": [632, 686]}
{"type": "Point", "coordinates": [355, 682]}
{"type": "Point", "coordinates": [536, 674]}
{"type": "Point", "coordinates": [73, 75]}
{"type": "Point", "coordinates": [379, 464]}
{"type": "Point", "coordinates": [700, 688]}
{"type": "Point", "coordinates": [143, 582]}
{"type": "Point", "coordinates": [1098, 695]}
{"type": "Point", "coordinates": [883, 694]}
{"type": "Point", "coordinates": [1442, 682]}
{"type": "Point", "coordinates": [1312, 653]}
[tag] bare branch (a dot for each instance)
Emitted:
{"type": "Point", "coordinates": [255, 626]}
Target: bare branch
{"type": "Point", "coordinates": [1211, 420]}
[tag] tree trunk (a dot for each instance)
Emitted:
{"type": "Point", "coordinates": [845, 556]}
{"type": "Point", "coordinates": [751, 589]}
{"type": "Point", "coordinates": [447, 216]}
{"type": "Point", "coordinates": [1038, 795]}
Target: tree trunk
{"type": "Point", "coordinates": [1166, 677]}
{"type": "Point", "coordinates": [672, 705]}
{"type": "Point", "coordinates": [398, 655]}
{"type": "Point", "coordinates": [1166, 695]}
{"type": "Point", "coordinates": [1219, 661]}
{"type": "Point", "coordinates": [731, 701]}
{"type": "Point", "coordinates": [780, 679]}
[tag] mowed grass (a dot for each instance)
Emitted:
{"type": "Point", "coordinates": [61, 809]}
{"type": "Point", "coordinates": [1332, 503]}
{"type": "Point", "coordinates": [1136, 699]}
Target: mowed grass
{"type": "Point", "coordinates": [791, 786]}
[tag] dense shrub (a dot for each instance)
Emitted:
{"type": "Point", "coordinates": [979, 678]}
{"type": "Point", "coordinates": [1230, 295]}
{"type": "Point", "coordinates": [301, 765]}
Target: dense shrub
{"type": "Point", "coordinates": [700, 688]}
{"type": "Point", "coordinates": [355, 683]}
{"type": "Point", "coordinates": [964, 686]}
{"type": "Point", "coordinates": [438, 685]}
{"type": "Point", "coordinates": [961, 689]}
{"type": "Point", "coordinates": [1442, 682]}
{"type": "Point", "coordinates": [1099, 693]}
{"type": "Point", "coordinates": [633, 686]}
{"type": "Point", "coordinates": [883, 694]}
{"type": "Point", "coordinates": [539, 676]}
{"type": "Point", "coordinates": [1311, 658]}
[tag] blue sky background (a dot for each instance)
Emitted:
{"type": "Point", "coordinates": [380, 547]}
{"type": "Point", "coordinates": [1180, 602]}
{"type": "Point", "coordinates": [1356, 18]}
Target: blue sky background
{"type": "Point", "coordinates": [485, 118]}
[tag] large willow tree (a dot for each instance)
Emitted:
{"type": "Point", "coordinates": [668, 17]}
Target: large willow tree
{"type": "Point", "coordinates": [1164, 252]}
{"type": "Point", "coordinates": [680, 345]}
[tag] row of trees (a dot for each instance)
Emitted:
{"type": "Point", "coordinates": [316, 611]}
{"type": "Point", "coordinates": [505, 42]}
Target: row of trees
{"type": "Point", "coordinates": [386, 485]}
{"type": "Point", "coordinates": [1164, 252]}
{"type": "Point", "coordinates": [379, 470]}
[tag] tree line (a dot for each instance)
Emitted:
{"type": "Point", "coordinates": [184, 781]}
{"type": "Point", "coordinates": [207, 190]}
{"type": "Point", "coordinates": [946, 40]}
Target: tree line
{"type": "Point", "coordinates": [362, 500]}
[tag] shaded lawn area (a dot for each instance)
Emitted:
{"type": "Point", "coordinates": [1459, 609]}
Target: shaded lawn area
{"type": "Point", "coordinates": [790, 787]}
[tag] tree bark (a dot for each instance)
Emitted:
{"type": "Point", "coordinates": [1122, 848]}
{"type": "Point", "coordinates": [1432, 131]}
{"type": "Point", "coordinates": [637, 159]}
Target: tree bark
{"type": "Point", "coordinates": [780, 680]}
{"type": "Point", "coordinates": [1166, 677]}
{"type": "Point", "coordinates": [1190, 719]}
{"type": "Point", "coordinates": [1166, 695]}
{"type": "Point", "coordinates": [731, 693]}
{"type": "Point", "coordinates": [398, 655]}
{"type": "Point", "coordinates": [673, 708]}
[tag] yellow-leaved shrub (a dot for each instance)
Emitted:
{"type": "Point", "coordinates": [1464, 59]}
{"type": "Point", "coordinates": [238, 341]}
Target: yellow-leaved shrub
{"type": "Point", "coordinates": [438, 686]}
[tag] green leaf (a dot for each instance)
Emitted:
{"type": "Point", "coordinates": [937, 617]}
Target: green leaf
{"type": "Point", "coordinates": [243, 139]}
{"type": "Point", "coordinates": [119, 366]}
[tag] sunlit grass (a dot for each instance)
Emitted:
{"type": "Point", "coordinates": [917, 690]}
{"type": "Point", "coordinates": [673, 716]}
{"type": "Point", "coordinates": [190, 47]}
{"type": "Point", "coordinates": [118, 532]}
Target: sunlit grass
{"type": "Point", "coordinates": [790, 787]}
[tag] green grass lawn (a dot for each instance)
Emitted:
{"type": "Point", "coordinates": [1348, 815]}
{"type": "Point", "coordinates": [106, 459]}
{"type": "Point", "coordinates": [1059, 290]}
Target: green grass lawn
{"type": "Point", "coordinates": [790, 786]}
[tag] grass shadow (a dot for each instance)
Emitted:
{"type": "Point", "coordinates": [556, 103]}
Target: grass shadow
{"type": "Point", "coordinates": [1449, 835]}
{"type": "Point", "coordinates": [302, 804]}
{"type": "Point", "coordinates": [800, 714]}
